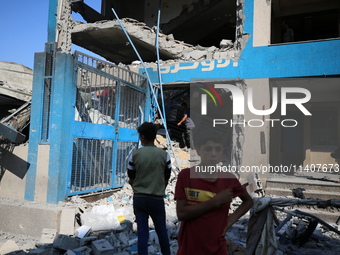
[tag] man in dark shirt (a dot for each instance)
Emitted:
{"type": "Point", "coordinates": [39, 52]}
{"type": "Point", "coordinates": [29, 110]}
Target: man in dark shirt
{"type": "Point", "coordinates": [189, 127]}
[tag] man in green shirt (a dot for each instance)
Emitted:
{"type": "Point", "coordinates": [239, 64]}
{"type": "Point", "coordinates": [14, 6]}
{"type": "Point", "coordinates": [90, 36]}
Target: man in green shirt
{"type": "Point", "coordinates": [149, 170]}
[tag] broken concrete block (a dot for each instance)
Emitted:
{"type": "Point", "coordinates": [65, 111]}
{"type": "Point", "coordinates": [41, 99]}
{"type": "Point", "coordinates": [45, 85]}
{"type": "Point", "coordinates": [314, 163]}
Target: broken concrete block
{"type": "Point", "coordinates": [8, 247]}
{"type": "Point", "coordinates": [153, 237]}
{"type": "Point", "coordinates": [226, 44]}
{"type": "Point", "coordinates": [173, 247]}
{"type": "Point", "coordinates": [48, 235]}
{"type": "Point", "coordinates": [211, 49]}
{"type": "Point", "coordinates": [171, 228]}
{"type": "Point", "coordinates": [82, 231]}
{"type": "Point", "coordinates": [103, 235]}
{"type": "Point", "coordinates": [112, 239]}
{"type": "Point", "coordinates": [152, 249]}
{"type": "Point", "coordinates": [124, 238]}
{"type": "Point", "coordinates": [87, 240]}
{"type": "Point", "coordinates": [28, 245]}
{"type": "Point", "coordinates": [41, 251]}
{"type": "Point", "coordinates": [224, 55]}
{"type": "Point", "coordinates": [174, 219]}
{"type": "Point", "coordinates": [16, 253]}
{"type": "Point", "coordinates": [82, 250]}
{"type": "Point", "coordinates": [209, 56]}
{"type": "Point", "coordinates": [216, 55]}
{"type": "Point", "coordinates": [170, 37]}
{"type": "Point", "coordinates": [196, 54]}
{"type": "Point", "coordinates": [70, 252]}
{"type": "Point", "coordinates": [67, 221]}
{"type": "Point", "coordinates": [133, 240]}
{"type": "Point", "coordinates": [64, 242]}
{"type": "Point", "coordinates": [45, 250]}
{"type": "Point", "coordinates": [127, 225]}
{"type": "Point", "coordinates": [102, 247]}
{"type": "Point", "coordinates": [171, 211]}
{"type": "Point", "coordinates": [133, 249]}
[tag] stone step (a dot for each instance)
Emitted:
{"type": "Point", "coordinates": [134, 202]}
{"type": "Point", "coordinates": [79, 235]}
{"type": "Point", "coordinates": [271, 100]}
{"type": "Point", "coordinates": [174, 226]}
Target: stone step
{"type": "Point", "coordinates": [315, 194]}
{"type": "Point", "coordinates": [328, 215]}
{"type": "Point", "coordinates": [307, 184]}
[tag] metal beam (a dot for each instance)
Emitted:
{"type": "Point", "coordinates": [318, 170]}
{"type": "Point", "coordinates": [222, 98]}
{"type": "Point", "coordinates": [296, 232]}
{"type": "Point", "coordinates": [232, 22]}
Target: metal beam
{"type": "Point", "coordinates": [11, 134]}
{"type": "Point", "coordinates": [89, 14]}
{"type": "Point", "coordinates": [52, 20]}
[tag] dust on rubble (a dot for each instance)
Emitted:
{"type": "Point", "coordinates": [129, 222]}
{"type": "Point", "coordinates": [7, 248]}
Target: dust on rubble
{"type": "Point", "coordinates": [123, 240]}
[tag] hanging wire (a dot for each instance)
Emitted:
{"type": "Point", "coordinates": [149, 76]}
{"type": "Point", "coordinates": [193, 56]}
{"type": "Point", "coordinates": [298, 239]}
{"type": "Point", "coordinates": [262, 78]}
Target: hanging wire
{"type": "Point", "coordinates": [159, 74]}
{"type": "Point", "coordinates": [150, 84]}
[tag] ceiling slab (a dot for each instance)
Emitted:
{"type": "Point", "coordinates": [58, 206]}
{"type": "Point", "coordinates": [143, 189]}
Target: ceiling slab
{"type": "Point", "coordinates": [107, 39]}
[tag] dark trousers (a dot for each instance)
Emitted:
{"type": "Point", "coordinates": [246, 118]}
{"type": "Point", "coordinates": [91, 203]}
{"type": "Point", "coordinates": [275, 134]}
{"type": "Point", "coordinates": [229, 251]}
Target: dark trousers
{"type": "Point", "coordinates": [187, 137]}
{"type": "Point", "coordinates": [144, 207]}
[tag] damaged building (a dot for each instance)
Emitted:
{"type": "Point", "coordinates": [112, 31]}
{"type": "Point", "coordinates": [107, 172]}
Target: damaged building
{"type": "Point", "coordinates": [15, 100]}
{"type": "Point", "coordinates": [240, 43]}
{"type": "Point", "coordinates": [79, 145]}
{"type": "Point", "coordinates": [275, 65]}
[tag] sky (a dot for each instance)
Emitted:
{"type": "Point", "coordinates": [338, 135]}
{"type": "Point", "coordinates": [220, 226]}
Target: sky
{"type": "Point", "coordinates": [23, 29]}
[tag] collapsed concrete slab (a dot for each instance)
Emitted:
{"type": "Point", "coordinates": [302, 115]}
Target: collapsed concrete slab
{"type": "Point", "coordinates": [64, 242]}
{"type": "Point", "coordinates": [15, 83]}
{"type": "Point", "coordinates": [7, 247]}
{"type": "Point", "coordinates": [21, 218]}
{"type": "Point", "coordinates": [107, 39]}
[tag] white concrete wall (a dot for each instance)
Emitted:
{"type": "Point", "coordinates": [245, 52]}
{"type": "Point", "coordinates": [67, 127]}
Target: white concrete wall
{"type": "Point", "coordinates": [28, 219]}
{"type": "Point", "coordinates": [42, 173]}
{"type": "Point", "coordinates": [252, 155]}
{"type": "Point", "coordinates": [262, 22]}
{"type": "Point", "coordinates": [13, 171]}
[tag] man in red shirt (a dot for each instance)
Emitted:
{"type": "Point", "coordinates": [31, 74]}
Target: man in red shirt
{"type": "Point", "coordinates": [203, 201]}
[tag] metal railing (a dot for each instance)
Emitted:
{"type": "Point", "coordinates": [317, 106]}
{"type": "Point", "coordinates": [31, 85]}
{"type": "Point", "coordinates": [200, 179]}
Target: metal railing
{"type": "Point", "coordinates": [47, 92]}
{"type": "Point", "coordinates": [103, 91]}
{"type": "Point", "coordinates": [91, 165]}
{"type": "Point", "coordinates": [97, 92]}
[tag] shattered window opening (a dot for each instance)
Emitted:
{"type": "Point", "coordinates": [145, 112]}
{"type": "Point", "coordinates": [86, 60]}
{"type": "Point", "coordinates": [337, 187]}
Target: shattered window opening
{"type": "Point", "coordinates": [300, 21]}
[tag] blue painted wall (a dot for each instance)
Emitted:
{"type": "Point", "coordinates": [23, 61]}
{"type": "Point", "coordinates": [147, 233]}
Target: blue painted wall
{"type": "Point", "coordinates": [52, 20]}
{"type": "Point", "coordinates": [35, 124]}
{"type": "Point", "coordinates": [275, 61]}
{"type": "Point", "coordinates": [60, 128]}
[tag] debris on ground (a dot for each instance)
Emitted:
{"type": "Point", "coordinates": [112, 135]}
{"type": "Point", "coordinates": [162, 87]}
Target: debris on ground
{"type": "Point", "coordinates": [107, 226]}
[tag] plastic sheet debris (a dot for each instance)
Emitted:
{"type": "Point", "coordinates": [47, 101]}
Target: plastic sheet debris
{"type": "Point", "coordinates": [101, 217]}
{"type": "Point", "coordinates": [82, 231]}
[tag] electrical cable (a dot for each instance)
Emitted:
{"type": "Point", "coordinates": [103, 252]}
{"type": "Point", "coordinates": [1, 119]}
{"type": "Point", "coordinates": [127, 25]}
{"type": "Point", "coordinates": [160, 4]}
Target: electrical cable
{"type": "Point", "coordinates": [150, 84]}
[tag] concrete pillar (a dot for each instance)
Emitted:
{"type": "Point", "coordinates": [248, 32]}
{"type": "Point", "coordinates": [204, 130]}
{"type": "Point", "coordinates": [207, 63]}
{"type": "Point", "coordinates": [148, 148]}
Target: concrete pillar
{"type": "Point", "coordinates": [262, 23]}
{"type": "Point", "coordinates": [50, 161]}
{"type": "Point", "coordinates": [256, 137]}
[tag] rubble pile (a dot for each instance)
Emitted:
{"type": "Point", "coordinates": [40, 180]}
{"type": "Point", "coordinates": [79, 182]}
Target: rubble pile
{"type": "Point", "coordinates": [107, 226]}
{"type": "Point", "coordinates": [170, 49]}
{"type": "Point", "coordinates": [16, 78]}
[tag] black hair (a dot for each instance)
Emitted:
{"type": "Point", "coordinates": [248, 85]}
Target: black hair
{"type": "Point", "coordinates": [184, 104]}
{"type": "Point", "coordinates": [149, 130]}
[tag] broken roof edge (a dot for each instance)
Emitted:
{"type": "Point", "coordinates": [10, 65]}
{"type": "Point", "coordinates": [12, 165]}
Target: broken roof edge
{"type": "Point", "coordinates": [139, 31]}
{"type": "Point", "coordinates": [10, 66]}
{"type": "Point", "coordinates": [176, 50]}
{"type": "Point", "coordinates": [126, 21]}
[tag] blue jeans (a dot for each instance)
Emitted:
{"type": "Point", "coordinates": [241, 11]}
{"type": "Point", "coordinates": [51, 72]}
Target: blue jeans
{"type": "Point", "coordinates": [144, 207]}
